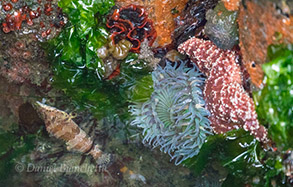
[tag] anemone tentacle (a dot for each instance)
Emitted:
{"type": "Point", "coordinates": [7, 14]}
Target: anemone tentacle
{"type": "Point", "coordinates": [174, 118]}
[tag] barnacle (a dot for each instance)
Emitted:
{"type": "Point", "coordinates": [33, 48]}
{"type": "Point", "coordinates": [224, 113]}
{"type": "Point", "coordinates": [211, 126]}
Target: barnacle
{"type": "Point", "coordinates": [22, 59]}
{"type": "Point", "coordinates": [131, 23]}
{"type": "Point", "coordinates": [221, 27]}
{"type": "Point", "coordinates": [174, 118]}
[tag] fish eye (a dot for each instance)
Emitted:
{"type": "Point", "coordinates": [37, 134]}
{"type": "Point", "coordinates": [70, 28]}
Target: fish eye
{"type": "Point", "coordinates": [253, 64]}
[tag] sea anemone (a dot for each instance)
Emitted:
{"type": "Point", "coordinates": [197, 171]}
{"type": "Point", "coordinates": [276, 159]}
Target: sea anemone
{"type": "Point", "coordinates": [131, 23]}
{"type": "Point", "coordinates": [174, 118]}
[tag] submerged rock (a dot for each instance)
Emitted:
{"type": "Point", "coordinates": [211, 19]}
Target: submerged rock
{"type": "Point", "coordinates": [221, 27]}
{"type": "Point", "coordinates": [262, 23]}
{"type": "Point", "coordinates": [22, 59]}
{"type": "Point", "coordinates": [192, 20]}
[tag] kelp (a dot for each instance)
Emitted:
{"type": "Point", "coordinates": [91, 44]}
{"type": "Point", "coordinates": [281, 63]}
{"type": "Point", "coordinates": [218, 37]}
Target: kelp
{"type": "Point", "coordinates": [275, 101]}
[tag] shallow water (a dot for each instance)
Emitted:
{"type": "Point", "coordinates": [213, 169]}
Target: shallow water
{"type": "Point", "coordinates": [73, 66]}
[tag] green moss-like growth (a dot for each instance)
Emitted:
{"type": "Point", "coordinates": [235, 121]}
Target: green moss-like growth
{"type": "Point", "coordinates": [275, 101]}
{"type": "Point", "coordinates": [11, 152]}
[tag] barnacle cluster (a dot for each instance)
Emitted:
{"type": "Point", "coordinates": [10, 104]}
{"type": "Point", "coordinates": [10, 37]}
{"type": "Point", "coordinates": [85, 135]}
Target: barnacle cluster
{"type": "Point", "coordinates": [221, 26]}
{"type": "Point", "coordinates": [44, 18]}
{"type": "Point", "coordinates": [131, 23]}
{"type": "Point", "coordinates": [174, 118]}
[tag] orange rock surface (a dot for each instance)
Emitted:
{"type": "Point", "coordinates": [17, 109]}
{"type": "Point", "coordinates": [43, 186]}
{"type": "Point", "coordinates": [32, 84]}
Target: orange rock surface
{"type": "Point", "coordinates": [260, 25]}
{"type": "Point", "coordinates": [231, 5]}
{"type": "Point", "coordinates": [162, 12]}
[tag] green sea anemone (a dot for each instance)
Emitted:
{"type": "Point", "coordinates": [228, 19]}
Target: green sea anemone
{"type": "Point", "coordinates": [174, 118]}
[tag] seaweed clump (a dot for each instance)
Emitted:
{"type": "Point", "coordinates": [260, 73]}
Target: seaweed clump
{"type": "Point", "coordinates": [221, 26]}
{"type": "Point", "coordinates": [274, 102]}
{"type": "Point", "coordinates": [174, 118]}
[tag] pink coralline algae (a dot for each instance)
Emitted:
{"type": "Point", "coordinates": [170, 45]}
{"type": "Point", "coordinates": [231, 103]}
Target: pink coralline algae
{"type": "Point", "coordinates": [229, 104]}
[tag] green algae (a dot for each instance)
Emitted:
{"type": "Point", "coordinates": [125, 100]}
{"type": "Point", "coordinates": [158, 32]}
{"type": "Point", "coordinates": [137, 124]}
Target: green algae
{"type": "Point", "coordinates": [12, 150]}
{"type": "Point", "coordinates": [275, 101]}
{"type": "Point", "coordinates": [84, 33]}
{"type": "Point", "coordinates": [104, 97]}
{"type": "Point", "coordinates": [242, 157]}
{"type": "Point", "coordinates": [81, 13]}
{"type": "Point", "coordinates": [78, 70]}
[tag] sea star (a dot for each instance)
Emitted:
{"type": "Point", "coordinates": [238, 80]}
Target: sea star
{"type": "Point", "coordinates": [229, 104]}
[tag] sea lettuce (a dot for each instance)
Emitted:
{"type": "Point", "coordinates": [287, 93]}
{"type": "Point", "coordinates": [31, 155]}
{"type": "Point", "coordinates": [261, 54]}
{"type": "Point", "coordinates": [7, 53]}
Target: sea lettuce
{"type": "Point", "coordinates": [82, 13]}
{"type": "Point", "coordinates": [275, 101]}
{"type": "Point", "coordinates": [242, 157]}
{"type": "Point", "coordinates": [103, 97]}
{"type": "Point", "coordinates": [83, 34]}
